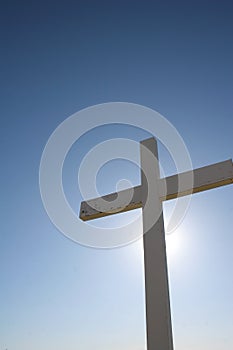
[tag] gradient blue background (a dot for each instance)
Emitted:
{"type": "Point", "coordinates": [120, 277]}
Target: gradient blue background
{"type": "Point", "coordinates": [57, 58]}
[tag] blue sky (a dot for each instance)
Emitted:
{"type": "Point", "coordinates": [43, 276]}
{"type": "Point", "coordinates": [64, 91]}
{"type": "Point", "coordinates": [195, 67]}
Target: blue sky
{"type": "Point", "coordinates": [57, 58]}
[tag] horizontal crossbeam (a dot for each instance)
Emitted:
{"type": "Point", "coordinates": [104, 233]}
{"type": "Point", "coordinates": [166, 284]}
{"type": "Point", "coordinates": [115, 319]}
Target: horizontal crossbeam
{"type": "Point", "coordinates": [205, 178]}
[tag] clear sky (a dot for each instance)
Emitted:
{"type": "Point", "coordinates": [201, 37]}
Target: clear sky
{"type": "Point", "coordinates": [58, 57]}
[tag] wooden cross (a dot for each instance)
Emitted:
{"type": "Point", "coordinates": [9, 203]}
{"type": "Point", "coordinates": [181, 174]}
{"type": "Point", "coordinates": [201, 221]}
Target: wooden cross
{"type": "Point", "coordinates": [158, 316]}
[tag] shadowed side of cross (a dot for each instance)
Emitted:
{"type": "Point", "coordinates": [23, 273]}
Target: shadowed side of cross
{"type": "Point", "coordinates": [149, 196]}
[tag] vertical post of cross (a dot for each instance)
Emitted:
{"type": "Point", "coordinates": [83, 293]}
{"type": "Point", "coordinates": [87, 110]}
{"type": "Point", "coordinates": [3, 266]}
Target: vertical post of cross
{"type": "Point", "coordinates": [158, 315]}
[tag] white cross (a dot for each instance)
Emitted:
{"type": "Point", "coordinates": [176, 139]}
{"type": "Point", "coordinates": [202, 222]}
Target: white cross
{"type": "Point", "coordinates": [158, 316]}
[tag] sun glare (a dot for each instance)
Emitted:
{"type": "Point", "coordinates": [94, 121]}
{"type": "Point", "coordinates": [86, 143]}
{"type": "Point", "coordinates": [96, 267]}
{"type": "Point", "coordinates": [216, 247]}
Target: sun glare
{"type": "Point", "coordinates": [173, 243]}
